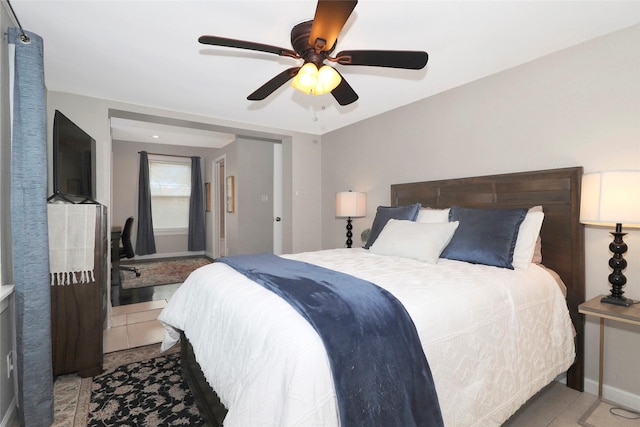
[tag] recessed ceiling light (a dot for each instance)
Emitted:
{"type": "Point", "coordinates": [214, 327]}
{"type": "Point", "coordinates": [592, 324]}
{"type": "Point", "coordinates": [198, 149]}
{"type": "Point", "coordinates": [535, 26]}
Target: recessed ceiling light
{"type": "Point", "coordinates": [155, 136]}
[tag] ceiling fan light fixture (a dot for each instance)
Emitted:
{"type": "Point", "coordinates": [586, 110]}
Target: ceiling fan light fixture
{"type": "Point", "coordinates": [313, 42]}
{"type": "Point", "coordinates": [306, 79]}
{"type": "Point", "coordinates": [328, 80]}
{"type": "Point", "coordinates": [312, 81]}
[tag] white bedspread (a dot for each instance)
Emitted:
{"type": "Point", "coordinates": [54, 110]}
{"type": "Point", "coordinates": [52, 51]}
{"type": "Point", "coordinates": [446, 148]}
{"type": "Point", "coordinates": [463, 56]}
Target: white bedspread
{"type": "Point", "coordinates": [493, 338]}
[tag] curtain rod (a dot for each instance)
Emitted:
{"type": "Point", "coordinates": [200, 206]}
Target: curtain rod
{"type": "Point", "coordinates": [168, 155]}
{"type": "Point", "coordinates": [24, 38]}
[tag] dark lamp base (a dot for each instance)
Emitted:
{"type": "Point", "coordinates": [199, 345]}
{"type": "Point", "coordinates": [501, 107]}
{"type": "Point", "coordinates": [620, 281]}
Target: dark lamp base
{"type": "Point", "coordinates": [617, 263]}
{"type": "Point", "coordinates": [626, 302]}
{"type": "Point", "coordinates": [349, 233]}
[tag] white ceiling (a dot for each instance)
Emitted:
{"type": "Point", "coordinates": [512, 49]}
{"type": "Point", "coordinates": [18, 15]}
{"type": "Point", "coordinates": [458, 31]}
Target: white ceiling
{"type": "Point", "coordinates": [129, 130]}
{"type": "Point", "coordinates": [147, 53]}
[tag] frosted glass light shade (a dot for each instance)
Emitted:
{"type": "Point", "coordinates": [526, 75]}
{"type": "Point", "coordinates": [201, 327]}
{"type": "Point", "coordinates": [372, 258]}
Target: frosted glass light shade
{"type": "Point", "coordinates": [610, 198]}
{"type": "Point", "coordinates": [351, 204]}
{"type": "Point", "coordinates": [306, 79]}
{"type": "Point", "coordinates": [312, 81]}
{"type": "Point", "coordinates": [328, 80]}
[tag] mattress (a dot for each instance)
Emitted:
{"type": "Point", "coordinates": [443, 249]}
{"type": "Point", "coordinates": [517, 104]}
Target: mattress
{"type": "Point", "coordinates": [493, 337]}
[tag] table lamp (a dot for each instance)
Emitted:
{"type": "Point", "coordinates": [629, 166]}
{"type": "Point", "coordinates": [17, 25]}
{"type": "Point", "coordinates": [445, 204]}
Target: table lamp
{"type": "Point", "coordinates": [350, 204]}
{"type": "Point", "coordinates": [608, 199]}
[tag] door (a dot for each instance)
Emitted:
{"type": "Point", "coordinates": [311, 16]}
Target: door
{"type": "Point", "coordinates": [277, 199]}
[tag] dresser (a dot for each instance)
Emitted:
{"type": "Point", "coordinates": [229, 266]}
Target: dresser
{"type": "Point", "coordinates": [79, 313]}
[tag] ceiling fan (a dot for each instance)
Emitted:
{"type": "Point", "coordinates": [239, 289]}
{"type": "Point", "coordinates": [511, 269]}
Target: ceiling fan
{"type": "Point", "coordinates": [314, 41]}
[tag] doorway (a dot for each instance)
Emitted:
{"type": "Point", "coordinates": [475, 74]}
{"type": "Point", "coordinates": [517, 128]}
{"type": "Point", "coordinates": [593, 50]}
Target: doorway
{"type": "Point", "coordinates": [256, 224]}
{"type": "Point", "coordinates": [219, 212]}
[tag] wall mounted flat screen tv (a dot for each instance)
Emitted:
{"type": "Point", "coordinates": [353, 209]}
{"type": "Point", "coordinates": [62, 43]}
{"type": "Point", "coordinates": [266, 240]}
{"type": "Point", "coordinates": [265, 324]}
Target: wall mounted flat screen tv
{"type": "Point", "coordinates": [74, 159]}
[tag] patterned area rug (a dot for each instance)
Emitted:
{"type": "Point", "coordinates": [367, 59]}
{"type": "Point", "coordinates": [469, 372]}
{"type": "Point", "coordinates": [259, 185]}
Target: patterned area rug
{"type": "Point", "coordinates": [161, 272]}
{"type": "Point", "coordinates": [73, 394]}
{"type": "Point", "coordinates": [147, 393]}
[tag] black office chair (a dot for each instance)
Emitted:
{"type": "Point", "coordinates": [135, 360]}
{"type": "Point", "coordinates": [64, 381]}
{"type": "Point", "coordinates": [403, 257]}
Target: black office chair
{"type": "Point", "coordinates": [126, 250]}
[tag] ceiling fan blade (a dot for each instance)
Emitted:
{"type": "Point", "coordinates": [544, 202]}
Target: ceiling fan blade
{"type": "Point", "coordinates": [344, 93]}
{"type": "Point", "coordinates": [408, 59]}
{"type": "Point", "coordinates": [272, 85]}
{"type": "Point", "coordinates": [330, 17]}
{"type": "Point", "coordinates": [241, 44]}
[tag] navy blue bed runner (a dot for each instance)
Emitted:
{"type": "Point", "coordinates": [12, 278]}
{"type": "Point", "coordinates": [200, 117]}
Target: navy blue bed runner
{"type": "Point", "coordinates": [380, 372]}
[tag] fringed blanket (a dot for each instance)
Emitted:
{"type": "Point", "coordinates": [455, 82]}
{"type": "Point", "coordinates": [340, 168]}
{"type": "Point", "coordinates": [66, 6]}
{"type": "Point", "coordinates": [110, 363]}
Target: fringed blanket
{"type": "Point", "coordinates": [380, 372]}
{"type": "Point", "coordinates": [72, 230]}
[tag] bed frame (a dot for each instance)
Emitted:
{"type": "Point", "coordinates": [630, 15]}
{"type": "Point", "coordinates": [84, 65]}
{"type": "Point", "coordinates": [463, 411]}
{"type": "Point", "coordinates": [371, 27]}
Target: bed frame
{"type": "Point", "coordinates": [556, 190]}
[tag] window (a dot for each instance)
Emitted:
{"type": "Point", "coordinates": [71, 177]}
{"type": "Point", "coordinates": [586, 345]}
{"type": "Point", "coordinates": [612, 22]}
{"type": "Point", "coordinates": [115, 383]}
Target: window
{"type": "Point", "coordinates": [170, 182]}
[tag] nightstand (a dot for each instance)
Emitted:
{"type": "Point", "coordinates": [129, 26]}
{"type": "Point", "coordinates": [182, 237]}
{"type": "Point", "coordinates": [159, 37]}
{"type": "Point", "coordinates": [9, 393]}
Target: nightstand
{"type": "Point", "coordinates": [594, 307]}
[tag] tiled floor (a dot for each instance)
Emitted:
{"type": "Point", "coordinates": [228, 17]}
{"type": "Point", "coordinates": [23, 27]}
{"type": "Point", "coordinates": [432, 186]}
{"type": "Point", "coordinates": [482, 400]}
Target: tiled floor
{"type": "Point", "coordinates": [559, 406]}
{"type": "Point", "coordinates": [555, 406]}
{"type": "Point", "coordinates": [134, 325]}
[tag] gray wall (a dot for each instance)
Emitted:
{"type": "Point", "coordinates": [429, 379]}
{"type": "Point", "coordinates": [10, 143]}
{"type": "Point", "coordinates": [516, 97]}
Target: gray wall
{"type": "Point", "coordinates": [301, 154]}
{"type": "Point", "coordinates": [7, 394]}
{"type": "Point", "coordinates": [577, 107]}
{"type": "Point", "coordinates": [125, 190]}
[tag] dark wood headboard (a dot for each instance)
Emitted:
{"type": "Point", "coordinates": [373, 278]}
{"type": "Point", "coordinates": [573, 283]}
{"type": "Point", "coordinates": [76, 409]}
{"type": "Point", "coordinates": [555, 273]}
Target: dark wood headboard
{"type": "Point", "coordinates": [558, 192]}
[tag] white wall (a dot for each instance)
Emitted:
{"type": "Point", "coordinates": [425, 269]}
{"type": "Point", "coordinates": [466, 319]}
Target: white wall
{"type": "Point", "coordinates": [7, 390]}
{"type": "Point", "coordinates": [578, 107]}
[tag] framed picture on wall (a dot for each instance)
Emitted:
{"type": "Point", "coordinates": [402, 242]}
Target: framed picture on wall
{"type": "Point", "coordinates": [231, 205]}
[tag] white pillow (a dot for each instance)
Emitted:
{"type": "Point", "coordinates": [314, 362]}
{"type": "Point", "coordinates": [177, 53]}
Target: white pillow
{"type": "Point", "coordinates": [527, 237]}
{"type": "Point", "coordinates": [433, 216]}
{"type": "Point", "coordinates": [409, 239]}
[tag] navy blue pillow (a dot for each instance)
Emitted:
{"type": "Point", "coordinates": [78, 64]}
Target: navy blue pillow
{"type": "Point", "coordinates": [484, 236]}
{"type": "Point", "coordinates": [385, 213]}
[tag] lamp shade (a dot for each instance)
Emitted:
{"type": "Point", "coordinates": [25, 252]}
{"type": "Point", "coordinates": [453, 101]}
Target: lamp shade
{"type": "Point", "coordinates": [351, 204]}
{"type": "Point", "coordinates": [610, 198]}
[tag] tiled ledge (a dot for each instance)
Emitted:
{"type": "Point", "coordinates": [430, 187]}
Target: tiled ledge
{"type": "Point", "coordinates": [5, 291]}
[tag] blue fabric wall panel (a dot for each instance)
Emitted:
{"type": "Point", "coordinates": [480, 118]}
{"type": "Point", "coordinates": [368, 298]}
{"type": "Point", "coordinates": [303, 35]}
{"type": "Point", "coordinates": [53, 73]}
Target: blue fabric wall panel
{"type": "Point", "coordinates": [30, 233]}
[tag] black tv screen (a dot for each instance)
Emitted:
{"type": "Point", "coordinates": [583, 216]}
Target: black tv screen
{"type": "Point", "coordinates": [74, 160]}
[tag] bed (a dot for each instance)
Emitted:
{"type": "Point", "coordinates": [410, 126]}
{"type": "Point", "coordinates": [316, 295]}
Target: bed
{"type": "Point", "coordinates": [474, 387]}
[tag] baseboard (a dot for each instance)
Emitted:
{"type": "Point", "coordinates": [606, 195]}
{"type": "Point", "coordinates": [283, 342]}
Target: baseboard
{"type": "Point", "coordinates": [613, 394]}
{"type": "Point", "coordinates": [166, 255]}
{"type": "Point", "coordinates": [9, 415]}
